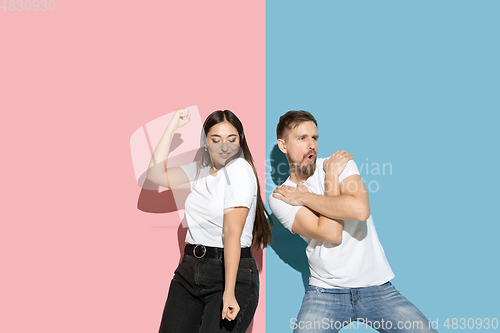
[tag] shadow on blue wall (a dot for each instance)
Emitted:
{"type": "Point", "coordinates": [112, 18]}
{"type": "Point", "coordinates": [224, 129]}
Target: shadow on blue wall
{"type": "Point", "coordinates": [290, 248]}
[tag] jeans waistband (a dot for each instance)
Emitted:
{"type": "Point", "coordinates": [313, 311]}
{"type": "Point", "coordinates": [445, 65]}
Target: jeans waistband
{"type": "Point", "coordinates": [349, 290]}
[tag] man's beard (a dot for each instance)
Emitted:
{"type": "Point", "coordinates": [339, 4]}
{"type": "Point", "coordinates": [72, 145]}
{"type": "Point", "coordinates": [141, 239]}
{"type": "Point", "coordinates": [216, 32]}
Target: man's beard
{"type": "Point", "coordinates": [306, 169]}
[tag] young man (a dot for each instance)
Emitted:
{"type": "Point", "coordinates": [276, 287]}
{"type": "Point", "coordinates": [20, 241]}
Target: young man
{"type": "Point", "coordinates": [326, 202]}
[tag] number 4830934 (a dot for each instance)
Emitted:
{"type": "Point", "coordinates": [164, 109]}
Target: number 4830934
{"type": "Point", "coordinates": [28, 5]}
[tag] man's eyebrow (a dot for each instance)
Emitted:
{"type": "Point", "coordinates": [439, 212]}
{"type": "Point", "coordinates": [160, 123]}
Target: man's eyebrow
{"type": "Point", "coordinates": [306, 134]}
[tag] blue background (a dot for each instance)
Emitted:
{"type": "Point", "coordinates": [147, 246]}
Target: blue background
{"type": "Point", "coordinates": [414, 84]}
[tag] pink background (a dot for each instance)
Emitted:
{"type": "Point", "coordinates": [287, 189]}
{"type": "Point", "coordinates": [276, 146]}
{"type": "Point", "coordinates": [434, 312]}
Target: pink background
{"type": "Point", "coordinates": [77, 254]}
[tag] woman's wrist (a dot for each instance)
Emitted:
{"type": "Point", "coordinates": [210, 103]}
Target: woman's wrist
{"type": "Point", "coordinates": [172, 126]}
{"type": "Point", "coordinates": [229, 291]}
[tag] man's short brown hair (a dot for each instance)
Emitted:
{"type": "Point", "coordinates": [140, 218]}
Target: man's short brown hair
{"type": "Point", "coordinates": [292, 119]}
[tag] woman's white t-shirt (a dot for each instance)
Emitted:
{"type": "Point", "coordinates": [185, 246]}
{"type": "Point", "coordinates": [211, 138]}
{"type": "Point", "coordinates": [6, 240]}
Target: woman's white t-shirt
{"type": "Point", "coordinates": [234, 185]}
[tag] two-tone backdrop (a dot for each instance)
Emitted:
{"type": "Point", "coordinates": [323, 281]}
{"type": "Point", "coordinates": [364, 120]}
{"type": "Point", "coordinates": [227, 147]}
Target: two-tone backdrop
{"type": "Point", "coordinates": [410, 88]}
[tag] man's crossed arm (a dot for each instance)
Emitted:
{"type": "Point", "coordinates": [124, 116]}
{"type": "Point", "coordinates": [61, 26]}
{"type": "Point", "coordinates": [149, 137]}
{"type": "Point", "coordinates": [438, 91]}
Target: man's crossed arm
{"type": "Point", "coordinates": [321, 216]}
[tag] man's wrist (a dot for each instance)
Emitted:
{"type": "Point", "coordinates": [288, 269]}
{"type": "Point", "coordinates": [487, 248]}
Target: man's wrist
{"type": "Point", "coordinates": [333, 173]}
{"type": "Point", "coordinates": [332, 186]}
{"type": "Point", "coordinates": [306, 198]}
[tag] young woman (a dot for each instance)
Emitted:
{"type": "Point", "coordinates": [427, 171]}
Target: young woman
{"type": "Point", "coordinates": [216, 286]}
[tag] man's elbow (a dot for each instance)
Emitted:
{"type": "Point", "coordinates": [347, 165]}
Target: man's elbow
{"type": "Point", "coordinates": [335, 238]}
{"type": "Point", "coordinates": [363, 213]}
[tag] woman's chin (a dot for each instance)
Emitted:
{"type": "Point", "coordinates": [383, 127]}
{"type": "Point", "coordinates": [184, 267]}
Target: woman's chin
{"type": "Point", "coordinates": [220, 163]}
{"type": "Point", "coordinates": [225, 161]}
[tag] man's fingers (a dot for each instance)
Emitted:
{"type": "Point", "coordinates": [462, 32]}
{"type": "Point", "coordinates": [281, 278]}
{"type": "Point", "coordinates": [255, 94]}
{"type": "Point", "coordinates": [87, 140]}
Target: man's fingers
{"type": "Point", "coordinates": [277, 196]}
{"type": "Point", "coordinates": [278, 190]}
{"type": "Point", "coordinates": [341, 153]}
{"type": "Point", "coordinates": [283, 189]}
{"type": "Point", "coordinates": [302, 188]}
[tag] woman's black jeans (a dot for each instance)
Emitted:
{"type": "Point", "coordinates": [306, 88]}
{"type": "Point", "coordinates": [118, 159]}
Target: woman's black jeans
{"type": "Point", "coordinates": [194, 302]}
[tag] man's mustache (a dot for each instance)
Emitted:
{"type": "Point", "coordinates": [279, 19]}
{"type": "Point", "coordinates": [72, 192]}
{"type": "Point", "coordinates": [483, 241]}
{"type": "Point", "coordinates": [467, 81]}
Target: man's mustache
{"type": "Point", "coordinates": [312, 151]}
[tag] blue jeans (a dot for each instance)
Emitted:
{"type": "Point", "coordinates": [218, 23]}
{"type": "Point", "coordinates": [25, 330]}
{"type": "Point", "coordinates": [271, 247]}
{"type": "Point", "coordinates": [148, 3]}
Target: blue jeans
{"type": "Point", "coordinates": [194, 302]}
{"type": "Point", "coordinates": [381, 307]}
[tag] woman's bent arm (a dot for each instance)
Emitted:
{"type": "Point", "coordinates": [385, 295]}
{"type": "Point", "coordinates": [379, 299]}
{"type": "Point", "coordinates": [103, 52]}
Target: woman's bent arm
{"type": "Point", "coordinates": [234, 220]}
{"type": "Point", "coordinates": [157, 169]}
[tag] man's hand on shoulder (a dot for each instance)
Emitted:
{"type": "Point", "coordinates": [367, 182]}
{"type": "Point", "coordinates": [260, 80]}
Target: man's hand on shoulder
{"type": "Point", "coordinates": [290, 194]}
{"type": "Point", "coordinates": [336, 163]}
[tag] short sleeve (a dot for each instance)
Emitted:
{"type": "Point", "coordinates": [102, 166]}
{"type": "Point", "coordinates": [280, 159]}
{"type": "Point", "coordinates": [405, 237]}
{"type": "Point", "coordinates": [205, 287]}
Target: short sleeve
{"type": "Point", "coordinates": [350, 169]}
{"type": "Point", "coordinates": [190, 170]}
{"type": "Point", "coordinates": [284, 212]}
{"type": "Point", "coordinates": [241, 184]}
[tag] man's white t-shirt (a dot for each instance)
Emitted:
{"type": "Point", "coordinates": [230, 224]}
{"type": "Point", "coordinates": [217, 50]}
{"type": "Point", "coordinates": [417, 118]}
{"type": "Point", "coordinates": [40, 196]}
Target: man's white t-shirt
{"type": "Point", "coordinates": [234, 185]}
{"type": "Point", "coordinates": [359, 261]}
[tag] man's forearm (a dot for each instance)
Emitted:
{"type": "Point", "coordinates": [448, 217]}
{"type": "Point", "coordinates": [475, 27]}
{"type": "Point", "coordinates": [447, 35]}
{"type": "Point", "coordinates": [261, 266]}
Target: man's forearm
{"type": "Point", "coordinates": [332, 188]}
{"type": "Point", "coordinates": [335, 205]}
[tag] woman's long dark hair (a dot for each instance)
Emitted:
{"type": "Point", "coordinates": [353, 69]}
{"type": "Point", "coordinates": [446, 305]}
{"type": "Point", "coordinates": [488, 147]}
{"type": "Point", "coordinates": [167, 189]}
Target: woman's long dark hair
{"type": "Point", "coordinates": [263, 222]}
